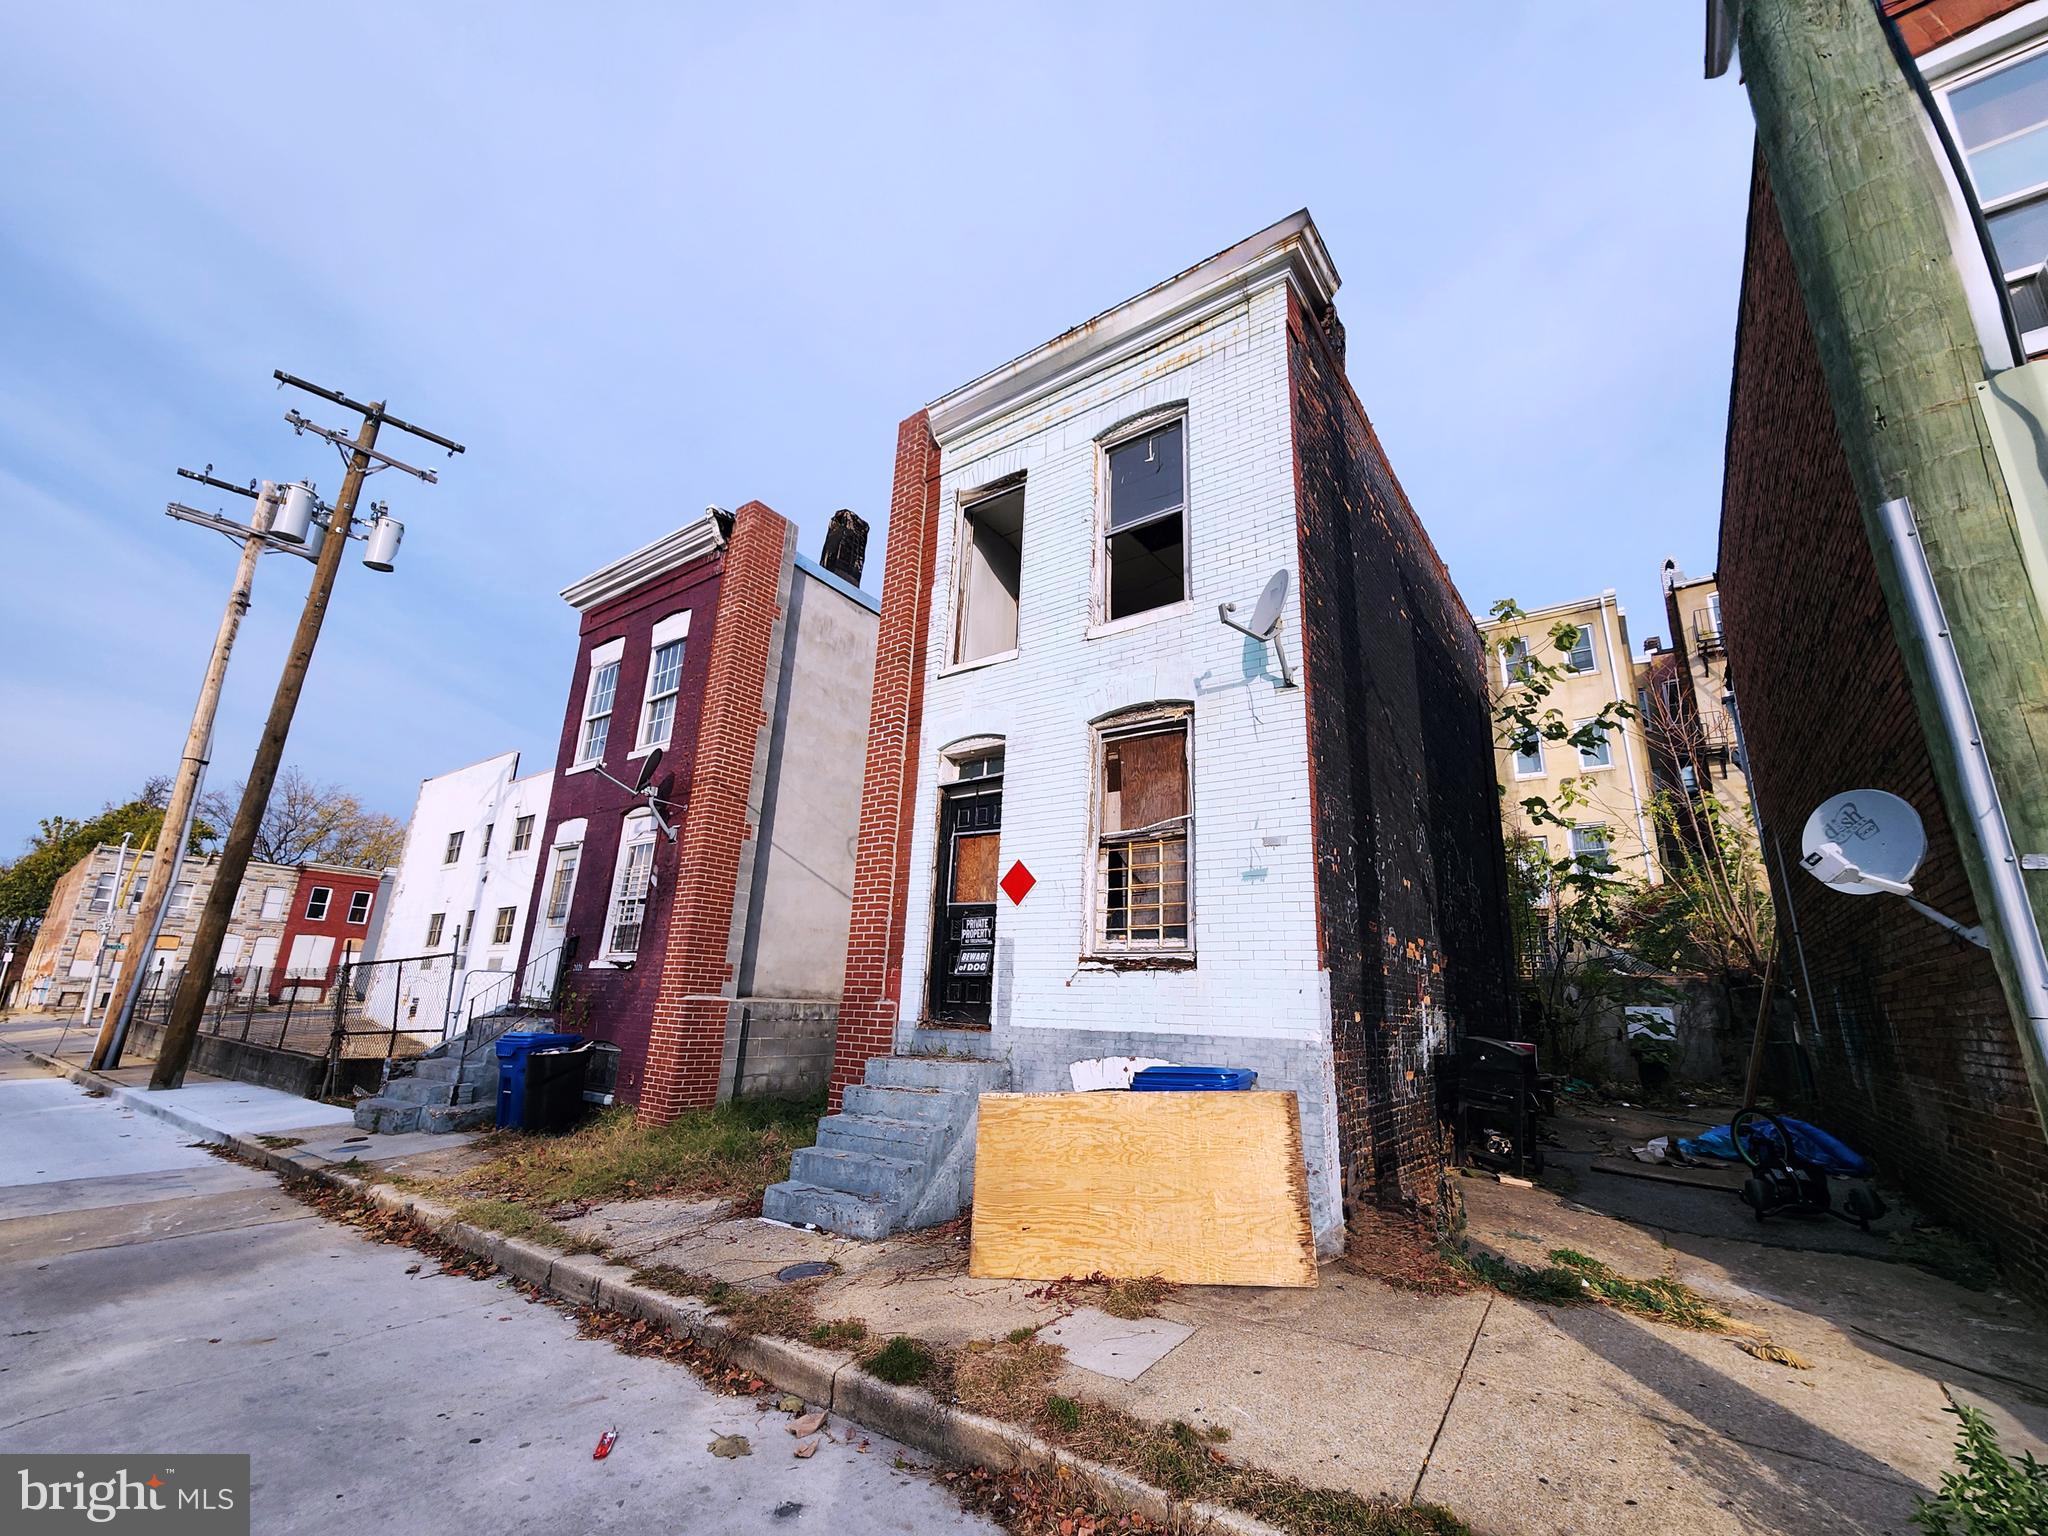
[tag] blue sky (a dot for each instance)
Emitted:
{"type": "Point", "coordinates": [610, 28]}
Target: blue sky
{"type": "Point", "coordinates": [645, 258]}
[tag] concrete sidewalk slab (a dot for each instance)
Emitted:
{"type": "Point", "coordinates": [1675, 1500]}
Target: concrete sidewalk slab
{"type": "Point", "coordinates": [1121, 1348]}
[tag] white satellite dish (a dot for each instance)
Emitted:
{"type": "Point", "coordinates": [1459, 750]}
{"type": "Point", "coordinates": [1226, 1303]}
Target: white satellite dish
{"type": "Point", "coordinates": [1265, 624]}
{"type": "Point", "coordinates": [1863, 842]}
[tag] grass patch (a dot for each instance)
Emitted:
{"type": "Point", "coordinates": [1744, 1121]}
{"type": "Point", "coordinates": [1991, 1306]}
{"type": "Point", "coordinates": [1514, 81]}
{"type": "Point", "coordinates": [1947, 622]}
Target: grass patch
{"type": "Point", "coordinates": [1006, 1380]}
{"type": "Point", "coordinates": [517, 1221]}
{"type": "Point", "coordinates": [902, 1362]}
{"type": "Point", "coordinates": [1062, 1413]}
{"type": "Point", "coordinates": [279, 1143]}
{"type": "Point", "coordinates": [839, 1333]}
{"type": "Point", "coordinates": [1137, 1298]}
{"type": "Point", "coordinates": [732, 1151]}
{"type": "Point", "coordinates": [783, 1311]}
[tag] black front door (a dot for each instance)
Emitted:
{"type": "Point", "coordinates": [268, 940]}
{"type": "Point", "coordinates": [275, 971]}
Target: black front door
{"type": "Point", "coordinates": [964, 919]}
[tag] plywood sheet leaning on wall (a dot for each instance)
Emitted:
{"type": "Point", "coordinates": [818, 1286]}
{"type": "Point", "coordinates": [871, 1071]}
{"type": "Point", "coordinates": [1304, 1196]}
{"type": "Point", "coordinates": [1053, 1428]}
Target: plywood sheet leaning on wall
{"type": "Point", "coordinates": [1202, 1188]}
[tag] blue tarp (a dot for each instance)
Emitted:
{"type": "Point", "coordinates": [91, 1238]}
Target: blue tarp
{"type": "Point", "coordinates": [1810, 1142]}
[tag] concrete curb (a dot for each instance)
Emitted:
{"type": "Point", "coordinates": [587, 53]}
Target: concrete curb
{"type": "Point", "coordinates": [823, 1377]}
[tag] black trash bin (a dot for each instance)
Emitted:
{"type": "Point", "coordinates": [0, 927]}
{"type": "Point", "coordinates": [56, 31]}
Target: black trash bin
{"type": "Point", "coordinates": [554, 1087]}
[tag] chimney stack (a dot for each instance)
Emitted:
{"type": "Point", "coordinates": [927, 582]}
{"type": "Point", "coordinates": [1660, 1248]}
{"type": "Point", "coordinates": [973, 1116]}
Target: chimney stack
{"type": "Point", "coordinates": [846, 546]}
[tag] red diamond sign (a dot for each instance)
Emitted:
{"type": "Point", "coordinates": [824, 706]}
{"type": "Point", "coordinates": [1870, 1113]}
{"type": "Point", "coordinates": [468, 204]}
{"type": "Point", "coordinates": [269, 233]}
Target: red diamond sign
{"type": "Point", "coordinates": [1018, 882]}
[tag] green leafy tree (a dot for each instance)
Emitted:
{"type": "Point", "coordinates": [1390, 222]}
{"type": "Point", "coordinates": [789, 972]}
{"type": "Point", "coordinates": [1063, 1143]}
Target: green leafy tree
{"type": "Point", "coordinates": [60, 842]}
{"type": "Point", "coordinates": [1567, 909]}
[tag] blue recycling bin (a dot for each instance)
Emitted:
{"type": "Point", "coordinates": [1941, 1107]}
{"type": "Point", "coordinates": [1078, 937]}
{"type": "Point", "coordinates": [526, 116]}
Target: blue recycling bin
{"type": "Point", "coordinates": [513, 1049]}
{"type": "Point", "coordinates": [1193, 1079]}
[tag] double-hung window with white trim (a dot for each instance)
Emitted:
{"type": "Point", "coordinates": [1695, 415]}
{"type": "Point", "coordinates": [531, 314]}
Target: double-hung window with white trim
{"type": "Point", "coordinates": [1998, 114]}
{"type": "Point", "coordinates": [1529, 755]}
{"type": "Point", "coordinates": [1581, 657]}
{"type": "Point", "coordinates": [1600, 755]}
{"type": "Point", "coordinates": [631, 880]}
{"type": "Point", "coordinates": [599, 694]}
{"type": "Point", "coordinates": [664, 681]}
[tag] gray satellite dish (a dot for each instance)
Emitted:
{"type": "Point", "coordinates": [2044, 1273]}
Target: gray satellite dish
{"type": "Point", "coordinates": [1265, 624]}
{"type": "Point", "coordinates": [1863, 842]}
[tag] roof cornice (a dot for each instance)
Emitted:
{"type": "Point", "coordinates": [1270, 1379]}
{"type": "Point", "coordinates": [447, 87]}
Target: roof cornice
{"type": "Point", "coordinates": [1290, 251]}
{"type": "Point", "coordinates": [690, 542]}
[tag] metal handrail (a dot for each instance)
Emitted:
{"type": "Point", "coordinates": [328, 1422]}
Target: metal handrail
{"type": "Point", "coordinates": [562, 956]}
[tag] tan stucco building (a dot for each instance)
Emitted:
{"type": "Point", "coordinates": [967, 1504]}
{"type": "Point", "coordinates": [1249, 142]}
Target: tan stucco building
{"type": "Point", "coordinates": [1616, 782]}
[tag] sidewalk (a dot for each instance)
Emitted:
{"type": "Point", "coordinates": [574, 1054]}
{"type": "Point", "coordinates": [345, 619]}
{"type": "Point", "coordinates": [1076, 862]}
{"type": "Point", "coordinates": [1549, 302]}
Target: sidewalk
{"type": "Point", "coordinates": [1523, 1418]}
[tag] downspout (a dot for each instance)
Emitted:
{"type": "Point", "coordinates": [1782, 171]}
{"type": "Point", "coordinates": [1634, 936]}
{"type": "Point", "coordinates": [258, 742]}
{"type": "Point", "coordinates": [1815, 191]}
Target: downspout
{"type": "Point", "coordinates": [2012, 911]}
{"type": "Point", "coordinates": [1616, 661]}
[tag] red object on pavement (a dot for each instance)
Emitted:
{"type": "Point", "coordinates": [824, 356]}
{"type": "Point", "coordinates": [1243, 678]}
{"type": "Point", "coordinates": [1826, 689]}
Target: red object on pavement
{"type": "Point", "coordinates": [605, 1442]}
{"type": "Point", "coordinates": [1018, 882]}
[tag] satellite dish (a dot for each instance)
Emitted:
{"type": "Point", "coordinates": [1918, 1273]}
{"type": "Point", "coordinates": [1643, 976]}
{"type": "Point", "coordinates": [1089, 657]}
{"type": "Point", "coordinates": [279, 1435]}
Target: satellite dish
{"type": "Point", "coordinates": [648, 769]}
{"type": "Point", "coordinates": [1265, 624]}
{"type": "Point", "coordinates": [1863, 842]}
{"type": "Point", "coordinates": [1266, 612]}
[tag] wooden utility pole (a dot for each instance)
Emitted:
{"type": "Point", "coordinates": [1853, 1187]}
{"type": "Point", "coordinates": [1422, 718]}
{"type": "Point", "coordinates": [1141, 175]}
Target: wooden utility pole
{"type": "Point", "coordinates": [170, 846]}
{"type": "Point", "coordinates": [190, 1003]}
{"type": "Point", "coordinates": [363, 458]}
{"type": "Point", "coordinates": [1861, 199]}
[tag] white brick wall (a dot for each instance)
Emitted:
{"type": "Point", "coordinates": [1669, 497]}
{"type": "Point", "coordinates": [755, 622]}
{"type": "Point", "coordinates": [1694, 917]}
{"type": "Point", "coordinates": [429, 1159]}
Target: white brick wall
{"type": "Point", "coordinates": [1255, 933]}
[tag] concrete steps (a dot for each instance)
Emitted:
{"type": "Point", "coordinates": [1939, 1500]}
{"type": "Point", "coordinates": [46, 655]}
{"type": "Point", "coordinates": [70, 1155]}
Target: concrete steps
{"type": "Point", "coordinates": [440, 1092]}
{"type": "Point", "coordinates": [899, 1155]}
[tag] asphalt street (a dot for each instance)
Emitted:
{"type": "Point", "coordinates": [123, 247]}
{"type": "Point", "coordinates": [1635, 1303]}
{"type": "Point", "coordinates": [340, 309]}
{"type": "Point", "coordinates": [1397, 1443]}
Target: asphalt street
{"type": "Point", "coordinates": [154, 1298]}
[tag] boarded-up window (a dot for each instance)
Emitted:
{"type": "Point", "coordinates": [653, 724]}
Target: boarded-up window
{"type": "Point", "coordinates": [974, 868]}
{"type": "Point", "coordinates": [1144, 816]}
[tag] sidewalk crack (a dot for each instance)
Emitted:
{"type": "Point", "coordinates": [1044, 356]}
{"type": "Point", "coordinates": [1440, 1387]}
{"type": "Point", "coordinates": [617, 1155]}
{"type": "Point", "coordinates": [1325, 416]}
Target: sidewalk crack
{"type": "Point", "coordinates": [1470, 1349]}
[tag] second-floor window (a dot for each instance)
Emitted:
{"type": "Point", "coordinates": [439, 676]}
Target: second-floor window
{"type": "Point", "coordinates": [1144, 524]}
{"type": "Point", "coordinates": [1592, 848]}
{"type": "Point", "coordinates": [317, 901]}
{"type": "Point", "coordinates": [1999, 115]}
{"type": "Point", "coordinates": [597, 712]}
{"type": "Point", "coordinates": [436, 921]}
{"type": "Point", "coordinates": [484, 848]}
{"type": "Point", "coordinates": [1529, 756]}
{"type": "Point", "coordinates": [359, 907]}
{"type": "Point", "coordinates": [1580, 657]}
{"type": "Point", "coordinates": [522, 834]}
{"type": "Point", "coordinates": [664, 683]}
{"type": "Point", "coordinates": [1514, 662]}
{"type": "Point", "coordinates": [991, 570]}
{"type": "Point", "coordinates": [181, 899]}
{"type": "Point", "coordinates": [454, 851]}
{"type": "Point", "coordinates": [501, 930]}
{"type": "Point", "coordinates": [274, 898]}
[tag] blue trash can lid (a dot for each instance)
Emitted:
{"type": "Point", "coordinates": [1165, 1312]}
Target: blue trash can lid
{"type": "Point", "coordinates": [1193, 1079]}
{"type": "Point", "coordinates": [521, 1042]}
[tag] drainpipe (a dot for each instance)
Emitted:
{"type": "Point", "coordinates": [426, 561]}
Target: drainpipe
{"type": "Point", "coordinates": [2012, 912]}
{"type": "Point", "coordinates": [1617, 659]}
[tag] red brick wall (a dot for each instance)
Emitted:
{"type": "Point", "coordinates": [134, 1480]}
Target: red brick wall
{"type": "Point", "coordinates": [342, 886]}
{"type": "Point", "coordinates": [1410, 895]}
{"type": "Point", "coordinates": [687, 1042]}
{"type": "Point", "coordinates": [1928, 24]}
{"type": "Point", "coordinates": [618, 1004]}
{"type": "Point", "coordinates": [1915, 1058]}
{"type": "Point", "coordinates": [874, 948]}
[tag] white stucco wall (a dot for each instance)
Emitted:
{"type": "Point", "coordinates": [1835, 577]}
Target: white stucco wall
{"type": "Point", "coordinates": [1256, 973]}
{"type": "Point", "coordinates": [465, 800]}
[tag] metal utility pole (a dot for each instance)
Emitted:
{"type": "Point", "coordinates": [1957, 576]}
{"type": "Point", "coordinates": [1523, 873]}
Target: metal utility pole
{"type": "Point", "coordinates": [184, 801]}
{"type": "Point", "coordinates": [363, 459]}
{"type": "Point", "coordinates": [1861, 198]}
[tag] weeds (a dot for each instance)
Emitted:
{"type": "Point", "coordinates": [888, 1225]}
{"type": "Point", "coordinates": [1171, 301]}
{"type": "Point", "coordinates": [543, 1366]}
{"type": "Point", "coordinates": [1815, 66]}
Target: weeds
{"type": "Point", "coordinates": [517, 1221]}
{"type": "Point", "coordinates": [1991, 1494]}
{"type": "Point", "coordinates": [839, 1333]}
{"type": "Point", "coordinates": [1137, 1298]}
{"type": "Point", "coordinates": [732, 1151]}
{"type": "Point", "coordinates": [902, 1362]}
{"type": "Point", "coordinates": [1571, 1277]}
{"type": "Point", "coordinates": [1006, 1380]}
